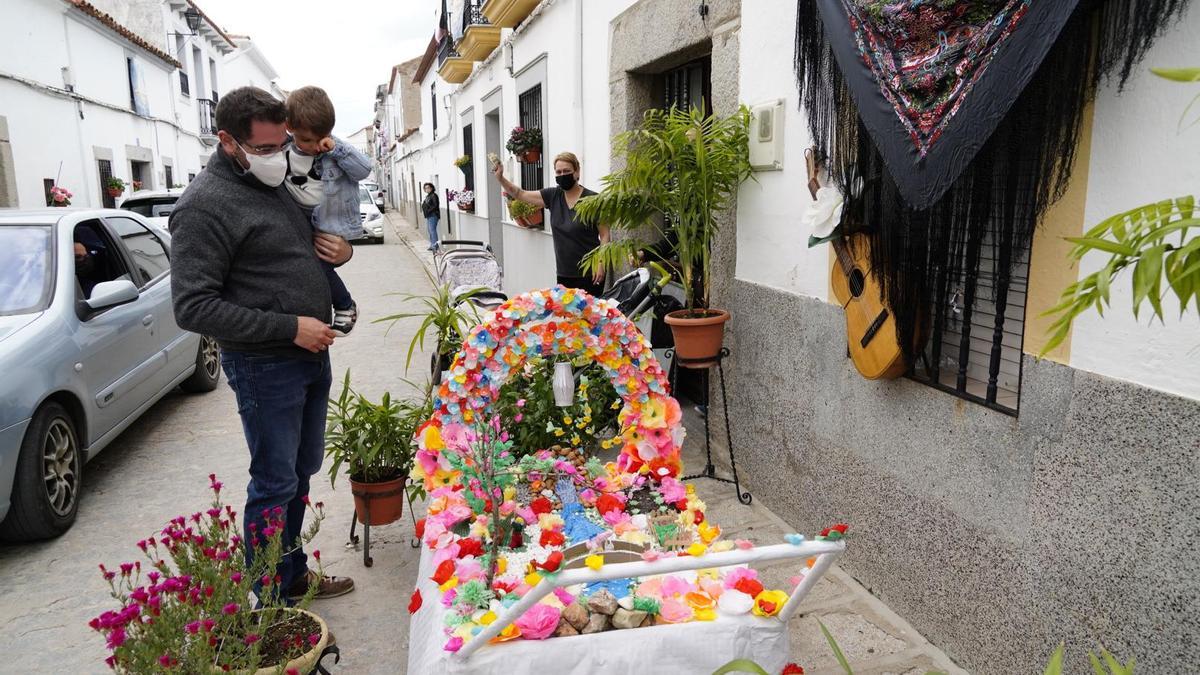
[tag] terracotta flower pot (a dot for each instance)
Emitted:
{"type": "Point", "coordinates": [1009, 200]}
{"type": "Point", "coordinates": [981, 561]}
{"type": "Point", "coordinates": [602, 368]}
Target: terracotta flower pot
{"type": "Point", "coordinates": [531, 156]}
{"type": "Point", "coordinates": [698, 338]}
{"type": "Point", "coordinates": [115, 192]}
{"type": "Point", "coordinates": [533, 220]}
{"type": "Point", "coordinates": [386, 499]}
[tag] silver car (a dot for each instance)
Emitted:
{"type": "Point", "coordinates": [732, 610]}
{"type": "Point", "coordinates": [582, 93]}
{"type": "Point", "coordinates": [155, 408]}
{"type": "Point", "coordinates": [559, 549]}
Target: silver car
{"type": "Point", "coordinates": [88, 342]}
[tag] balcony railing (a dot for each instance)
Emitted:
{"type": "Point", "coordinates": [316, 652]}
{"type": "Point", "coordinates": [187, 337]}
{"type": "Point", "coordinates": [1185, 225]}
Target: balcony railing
{"type": "Point", "coordinates": [446, 50]}
{"type": "Point", "coordinates": [208, 117]}
{"type": "Point", "coordinates": [473, 15]}
{"type": "Point", "coordinates": [479, 37]}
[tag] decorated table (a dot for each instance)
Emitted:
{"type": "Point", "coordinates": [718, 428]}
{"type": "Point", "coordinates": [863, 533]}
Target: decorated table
{"type": "Point", "coordinates": [549, 560]}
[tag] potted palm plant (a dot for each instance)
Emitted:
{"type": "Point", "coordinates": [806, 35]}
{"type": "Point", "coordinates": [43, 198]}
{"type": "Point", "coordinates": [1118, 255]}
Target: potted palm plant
{"type": "Point", "coordinates": [682, 169]}
{"type": "Point", "coordinates": [448, 315]}
{"type": "Point", "coordinates": [374, 442]}
{"type": "Point", "coordinates": [114, 186]}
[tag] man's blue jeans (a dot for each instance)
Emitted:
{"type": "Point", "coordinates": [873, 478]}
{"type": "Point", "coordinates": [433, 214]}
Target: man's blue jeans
{"type": "Point", "coordinates": [283, 403]}
{"type": "Point", "coordinates": [431, 223]}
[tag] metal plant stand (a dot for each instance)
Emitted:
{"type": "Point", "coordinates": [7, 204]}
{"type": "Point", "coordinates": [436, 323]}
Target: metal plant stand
{"type": "Point", "coordinates": [709, 470]}
{"type": "Point", "coordinates": [367, 498]}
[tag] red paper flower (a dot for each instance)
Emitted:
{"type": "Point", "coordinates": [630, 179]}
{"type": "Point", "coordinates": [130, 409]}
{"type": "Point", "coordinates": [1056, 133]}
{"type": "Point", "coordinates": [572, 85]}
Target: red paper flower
{"type": "Point", "coordinates": [607, 503]}
{"type": "Point", "coordinates": [517, 540]}
{"type": "Point", "coordinates": [414, 603]}
{"type": "Point", "coordinates": [699, 518]}
{"type": "Point", "coordinates": [504, 586]}
{"type": "Point", "coordinates": [552, 538]}
{"type": "Point", "coordinates": [443, 572]}
{"type": "Point", "coordinates": [681, 504]}
{"type": "Point", "coordinates": [470, 546]}
{"type": "Point", "coordinates": [541, 505]}
{"type": "Point", "coordinates": [792, 669]}
{"type": "Point", "coordinates": [751, 587]}
{"type": "Point", "coordinates": [840, 529]}
{"type": "Point", "coordinates": [421, 529]}
{"type": "Point", "coordinates": [551, 563]}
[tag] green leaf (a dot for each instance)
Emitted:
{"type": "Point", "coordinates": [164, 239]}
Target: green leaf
{"type": "Point", "coordinates": [1054, 667]}
{"type": "Point", "coordinates": [837, 651]}
{"type": "Point", "coordinates": [1178, 74]}
{"type": "Point", "coordinates": [1097, 667]}
{"type": "Point", "coordinates": [740, 666]}
{"type": "Point", "coordinates": [1102, 245]}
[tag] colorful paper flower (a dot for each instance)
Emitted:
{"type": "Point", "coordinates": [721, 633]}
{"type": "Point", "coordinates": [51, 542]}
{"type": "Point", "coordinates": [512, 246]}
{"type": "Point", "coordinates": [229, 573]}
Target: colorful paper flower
{"type": "Point", "coordinates": [538, 622]}
{"type": "Point", "coordinates": [510, 632]}
{"type": "Point", "coordinates": [735, 602]}
{"type": "Point", "coordinates": [594, 562]}
{"type": "Point", "coordinates": [768, 603]}
{"type": "Point", "coordinates": [792, 669]}
{"type": "Point", "coordinates": [675, 611]}
{"type": "Point", "coordinates": [443, 572]}
{"type": "Point", "coordinates": [414, 603]}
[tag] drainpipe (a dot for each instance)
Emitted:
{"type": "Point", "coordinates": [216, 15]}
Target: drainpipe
{"type": "Point", "coordinates": [83, 164]}
{"type": "Point", "coordinates": [579, 77]}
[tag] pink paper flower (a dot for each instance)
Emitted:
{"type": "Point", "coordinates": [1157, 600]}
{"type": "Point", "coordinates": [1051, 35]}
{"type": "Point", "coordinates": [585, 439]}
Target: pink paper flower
{"type": "Point", "coordinates": [453, 644]}
{"type": "Point", "coordinates": [650, 555]}
{"type": "Point", "coordinates": [672, 490]}
{"type": "Point", "coordinates": [744, 544]}
{"type": "Point", "coordinates": [564, 596]}
{"type": "Point", "coordinates": [675, 611]}
{"type": "Point", "coordinates": [672, 586]}
{"type": "Point", "coordinates": [539, 622]}
{"type": "Point", "coordinates": [733, 576]}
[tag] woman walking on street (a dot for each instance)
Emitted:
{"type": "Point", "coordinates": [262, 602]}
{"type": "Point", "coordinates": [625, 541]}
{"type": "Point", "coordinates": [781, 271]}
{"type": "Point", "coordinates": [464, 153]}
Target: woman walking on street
{"type": "Point", "coordinates": [573, 239]}
{"type": "Point", "coordinates": [432, 209]}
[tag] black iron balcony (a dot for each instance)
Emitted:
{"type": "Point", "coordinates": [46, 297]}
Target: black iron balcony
{"type": "Point", "coordinates": [208, 118]}
{"type": "Point", "coordinates": [446, 50]}
{"type": "Point", "coordinates": [473, 15]}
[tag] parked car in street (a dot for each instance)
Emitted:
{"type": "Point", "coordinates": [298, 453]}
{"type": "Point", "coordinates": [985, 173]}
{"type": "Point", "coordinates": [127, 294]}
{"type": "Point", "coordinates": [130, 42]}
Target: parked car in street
{"type": "Point", "coordinates": [155, 205]}
{"type": "Point", "coordinates": [372, 219]}
{"type": "Point", "coordinates": [376, 194]}
{"type": "Point", "coordinates": [88, 342]}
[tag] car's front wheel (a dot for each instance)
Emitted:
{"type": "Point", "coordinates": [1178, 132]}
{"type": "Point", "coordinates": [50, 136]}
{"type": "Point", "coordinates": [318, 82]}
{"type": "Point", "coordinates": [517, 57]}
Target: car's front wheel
{"type": "Point", "coordinates": [208, 368]}
{"type": "Point", "coordinates": [45, 493]}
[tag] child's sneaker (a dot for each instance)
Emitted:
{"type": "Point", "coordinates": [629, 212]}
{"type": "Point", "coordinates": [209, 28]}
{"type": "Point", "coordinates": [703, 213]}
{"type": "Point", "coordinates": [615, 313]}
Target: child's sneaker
{"type": "Point", "coordinates": [344, 320]}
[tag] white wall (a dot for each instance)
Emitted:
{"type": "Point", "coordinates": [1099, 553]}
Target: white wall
{"type": "Point", "coordinates": [1138, 157]}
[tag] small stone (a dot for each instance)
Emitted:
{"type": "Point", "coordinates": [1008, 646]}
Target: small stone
{"type": "Point", "coordinates": [565, 629]}
{"type": "Point", "coordinates": [576, 614]}
{"type": "Point", "coordinates": [625, 618]}
{"type": "Point", "coordinates": [648, 621]}
{"type": "Point", "coordinates": [626, 602]}
{"type": "Point", "coordinates": [596, 624]}
{"type": "Point", "coordinates": [603, 602]}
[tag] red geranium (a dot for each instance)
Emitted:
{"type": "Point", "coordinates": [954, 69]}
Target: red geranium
{"type": "Point", "coordinates": [751, 587]}
{"type": "Point", "coordinates": [552, 538]}
{"type": "Point", "coordinates": [541, 505]}
{"type": "Point", "coordinates": [443, 572]}
{"type": "Point", "coordinates": [414, 603]}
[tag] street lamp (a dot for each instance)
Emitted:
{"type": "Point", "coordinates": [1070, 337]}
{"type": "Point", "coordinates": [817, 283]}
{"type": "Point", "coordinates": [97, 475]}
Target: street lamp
{"type": "Point", "coordinates": [192, 18]}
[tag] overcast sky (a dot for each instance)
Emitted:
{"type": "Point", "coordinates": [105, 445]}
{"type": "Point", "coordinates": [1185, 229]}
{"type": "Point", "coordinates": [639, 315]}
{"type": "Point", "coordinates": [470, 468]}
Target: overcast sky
{"type": "Point", "coordinates": [346, 47]}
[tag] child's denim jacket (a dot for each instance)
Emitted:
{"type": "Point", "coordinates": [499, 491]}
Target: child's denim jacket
{"type": "Point", "coordinates": [340, 169]}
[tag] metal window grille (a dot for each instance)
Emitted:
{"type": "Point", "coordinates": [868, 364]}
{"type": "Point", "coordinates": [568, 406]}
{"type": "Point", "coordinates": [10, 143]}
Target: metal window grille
{"type": "Point", "coordinates": [170, 179]}
{"type": "Point", "coordinates": [184, 87]}
{"type": "Point", "coordinates": [469, 151]}
{"type": "Point", "coordinates": [689, 86]}
{"type": "Point", "coordinates": [977, 329]}
{"type": "Point", "coordinates": [48, 183]}
{"type": "Point", "coordinates": [105, 169]}
{"type": "Point", "coordinates": [208, 117]}
{"type": "Point", "coordinates": [529, 106]}
{"type": "Point", "coordinates": [433, 106]}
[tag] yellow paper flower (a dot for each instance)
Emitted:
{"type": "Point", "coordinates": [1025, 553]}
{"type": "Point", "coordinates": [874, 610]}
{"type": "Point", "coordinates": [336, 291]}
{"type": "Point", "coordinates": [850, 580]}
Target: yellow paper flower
{"type": "Point", "coordinates": [487, 618]}
{"type": "Point", "coordinates": [705, 615]}
{"type": "Point", "coordinates": [450, 583]}
{"type": "Point", "coordinates": [431, 438]}
{"type": "Point", "coordinates": [709, 532]}
{"type": "Point", "coordinates": [532, 579]}
{"type": "Point", "coordinates": [566, 420]}
{"type": "Point", "coordinates": [768, 603]}
{"type": "Point", "coordinates": [510, 493]}
{"type": "Point", "coordinates": [696, 550]}
{"type": "Point", "coordinates": [501, 566]}
{"type": "Point", "coordinates": [723, 545]}
{"type": "Point", "coordinates": [510, 632]}
{"type": "Point", "coordinates": [594, 561]}
{"type": "Point", "coordinates": [559, 432]}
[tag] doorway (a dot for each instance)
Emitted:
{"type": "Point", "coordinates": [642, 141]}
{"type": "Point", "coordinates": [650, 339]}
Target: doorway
{"type": "Point", "coordinates": [495, 205]}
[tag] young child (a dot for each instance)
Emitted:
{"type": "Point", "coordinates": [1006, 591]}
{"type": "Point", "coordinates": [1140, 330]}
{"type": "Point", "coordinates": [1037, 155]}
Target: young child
{"type": "Point", "coordinates": [323, 176]}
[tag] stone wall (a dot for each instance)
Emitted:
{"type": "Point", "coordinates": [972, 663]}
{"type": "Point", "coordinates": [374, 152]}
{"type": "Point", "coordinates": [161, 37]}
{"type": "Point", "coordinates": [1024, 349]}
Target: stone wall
{"type": "Point", "coordinates": [995, 536]}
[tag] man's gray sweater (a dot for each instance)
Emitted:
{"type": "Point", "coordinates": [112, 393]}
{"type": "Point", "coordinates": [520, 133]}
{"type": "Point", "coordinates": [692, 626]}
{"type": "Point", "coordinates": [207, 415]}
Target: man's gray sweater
{"type": "Point", "coordinates": [243, 267]}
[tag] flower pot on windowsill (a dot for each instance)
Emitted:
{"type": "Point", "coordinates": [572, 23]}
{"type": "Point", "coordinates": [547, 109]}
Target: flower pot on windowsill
{"type": "Point", "coordinates": [468, 207]}
{"type": "Point", "coordinates": [531, 156]}
{"type": "Point", "coordinates": [533, 221]}
{"type": "Point", "coordinates": [384, 502]}
{"type": "Point", "coordinates": [115, 192]}
{"type": "Point", "coordinates": [699, 335]}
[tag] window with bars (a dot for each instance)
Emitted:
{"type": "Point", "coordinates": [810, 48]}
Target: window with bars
{"type": "Point", "coordinates": [977, 329]}
{"type": "Point", "coordinates": [47, 184]}
{"type": "Point", "coordinates": [469, 151]}
{"type": "Point", "coordinates": [433, 106]}
{"type": "Point", "coordinates": [168, 176]}
{"type": "Point", "coordinates": [689, 86]}
{"type": "Point", "coordinates": [529, 107]}
{"type": "Point", "coordinates": [105, 170]}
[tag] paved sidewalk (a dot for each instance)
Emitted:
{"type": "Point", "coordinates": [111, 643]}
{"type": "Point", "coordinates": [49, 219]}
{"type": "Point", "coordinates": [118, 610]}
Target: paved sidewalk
{"type": "Point", "coordinates": [875, 640]}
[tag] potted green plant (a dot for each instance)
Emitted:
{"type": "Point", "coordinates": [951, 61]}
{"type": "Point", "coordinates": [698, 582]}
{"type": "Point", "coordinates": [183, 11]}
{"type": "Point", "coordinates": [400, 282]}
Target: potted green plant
{"type": "Point", "coordinates": [114, 186]}
{"type": "Point", "coordinates": [526, 144]}
{"type": "Point", "coordinates": [463, 163]}
{"type": "Point", "coordinates": [60, 196]}
{"type": "Point", "coordinates": [446, 315]}
{"type": "Point", "coordinates": [188, 609]}
{"type": "Point", "coordinates": [374, 442]}
{"type": "Point", "coordinates": [525, 215]}
{"type": "Point", "coordinates": [682, 169]}
{"type": "Point", "coordinates": [465, 199]}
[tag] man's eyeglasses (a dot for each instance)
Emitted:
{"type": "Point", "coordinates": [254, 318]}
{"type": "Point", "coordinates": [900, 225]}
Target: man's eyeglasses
{"type": "Point", "coordinates": [267, 149]}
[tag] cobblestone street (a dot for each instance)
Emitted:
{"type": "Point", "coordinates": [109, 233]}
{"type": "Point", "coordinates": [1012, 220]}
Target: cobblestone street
{"type": "Point", "coordinates": [158, 468]}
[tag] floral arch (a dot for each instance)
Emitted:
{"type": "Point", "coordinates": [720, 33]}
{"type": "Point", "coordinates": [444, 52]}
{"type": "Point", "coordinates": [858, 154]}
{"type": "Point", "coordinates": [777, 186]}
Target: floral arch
{"type": "Point", "coordinates": [562, 321]}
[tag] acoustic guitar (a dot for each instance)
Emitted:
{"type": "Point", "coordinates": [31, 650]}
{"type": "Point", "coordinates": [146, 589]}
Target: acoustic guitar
{"type": "Point", "coordinates": [870, 324]}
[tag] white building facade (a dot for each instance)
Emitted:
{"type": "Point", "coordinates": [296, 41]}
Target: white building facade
{"type": "Point", "coordinates": [1007, 511]}
{"type": "Point", "coordinates": [90, 91]}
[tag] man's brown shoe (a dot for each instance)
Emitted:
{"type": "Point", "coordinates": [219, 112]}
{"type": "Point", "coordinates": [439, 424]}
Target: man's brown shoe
{"type": "Point", "coordinates": [327, 586]}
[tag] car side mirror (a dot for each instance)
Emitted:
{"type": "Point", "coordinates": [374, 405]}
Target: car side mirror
{"type": "Point", "coordinates": [112, 293]}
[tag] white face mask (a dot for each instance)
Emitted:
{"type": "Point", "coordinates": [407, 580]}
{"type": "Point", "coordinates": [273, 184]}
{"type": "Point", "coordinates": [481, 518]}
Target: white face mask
{"type": "Point", "coordinates": [270, 170]}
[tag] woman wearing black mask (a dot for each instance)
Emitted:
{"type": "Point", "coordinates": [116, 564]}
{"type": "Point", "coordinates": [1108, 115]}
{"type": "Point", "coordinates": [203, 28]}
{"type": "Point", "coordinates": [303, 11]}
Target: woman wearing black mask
{"type": "Point", "coordinates": [572, 239]}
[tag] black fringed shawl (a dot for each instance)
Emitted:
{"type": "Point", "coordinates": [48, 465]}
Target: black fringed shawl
{"type": "Point", "coordinates": [948, 123]}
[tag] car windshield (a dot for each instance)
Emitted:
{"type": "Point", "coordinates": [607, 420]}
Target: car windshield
{"type": "Point", "coordinates": [364, 197]}
{"type": "Point", "coordinates": [25, 269]}
{"type": "Point", "coordinates": [151, 208]}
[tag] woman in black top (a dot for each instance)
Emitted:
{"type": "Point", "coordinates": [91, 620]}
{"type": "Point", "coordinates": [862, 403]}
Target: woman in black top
{"type": "Point", "coordinates": [572, 239]}
{"type": "Point", "coordinates": [432, 210]}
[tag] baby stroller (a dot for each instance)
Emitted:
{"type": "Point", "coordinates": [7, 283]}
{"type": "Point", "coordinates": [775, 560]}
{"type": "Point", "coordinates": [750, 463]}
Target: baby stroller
{"type": "Point", "coordinates": [470, 271]}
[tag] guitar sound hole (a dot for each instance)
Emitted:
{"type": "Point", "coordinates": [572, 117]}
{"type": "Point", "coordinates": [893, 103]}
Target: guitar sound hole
{"type": "Point", "coordinates": [857, 283]}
